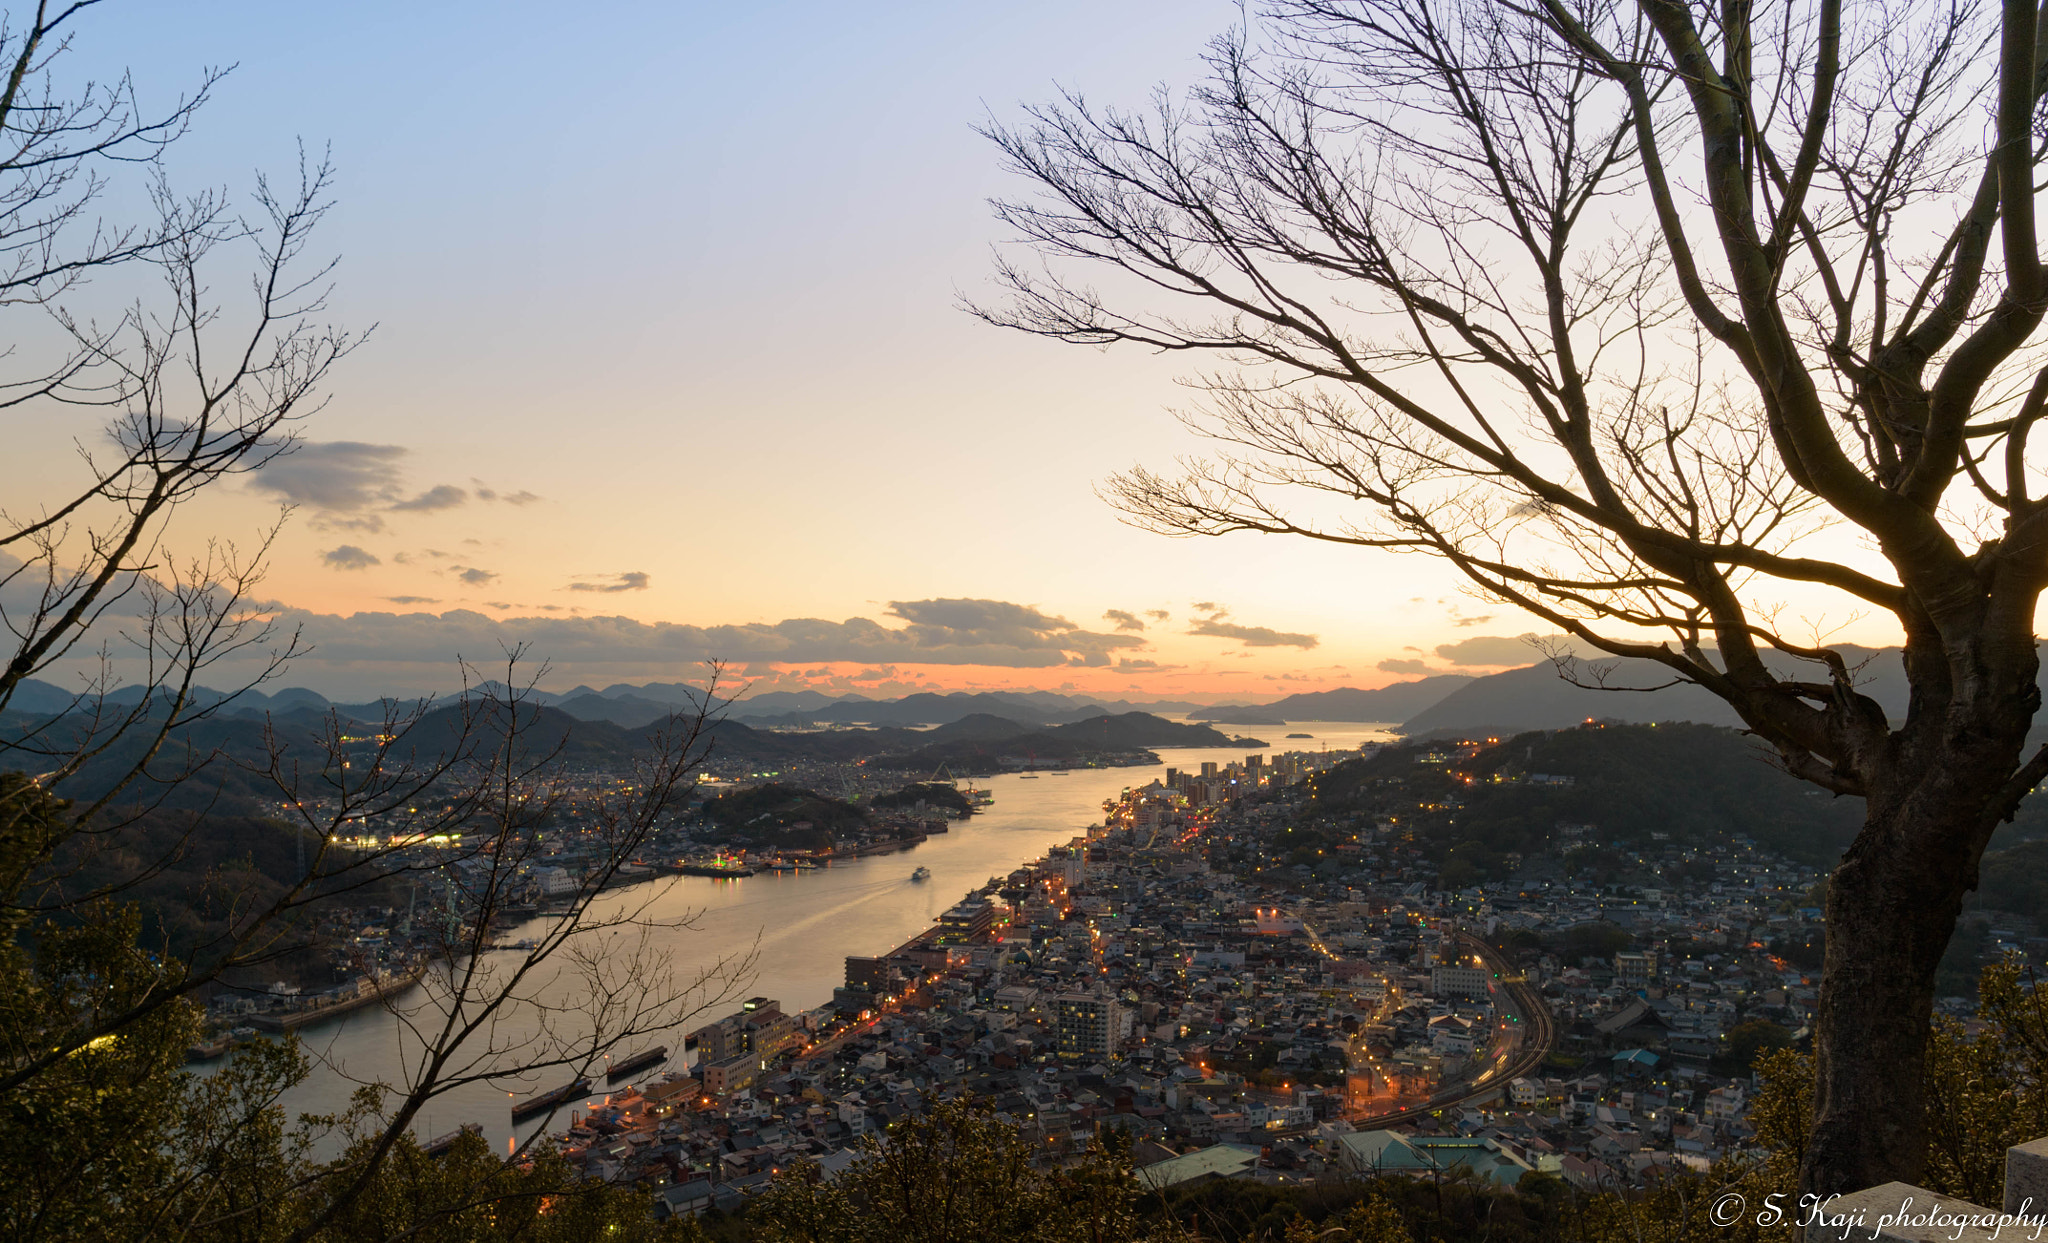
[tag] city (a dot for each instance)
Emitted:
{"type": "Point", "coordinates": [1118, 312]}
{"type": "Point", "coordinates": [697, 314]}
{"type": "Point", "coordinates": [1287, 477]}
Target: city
{"type": "Point", "coordinates": [1256, 1018]}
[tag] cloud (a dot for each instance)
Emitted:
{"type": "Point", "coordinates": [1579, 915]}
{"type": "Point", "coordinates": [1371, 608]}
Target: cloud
{"type": "Point", "coordinates": [440, 496]}
{"type": "Point", "coordinates": [1209, 606]}
{"type": "Point", "coordinates": [997, 625]}
{"type": "Point", "coordinates": [1478, 620]}
{"type": "Point", "coordinates": [1127, 665]}
{"type": "Point", "coordinates": [1491, 650]}
{"type": "Point", "coordinates": [1251, 636]}
{"type": "Point", "coordinates": [339, 476]}
{"type": "Point", "coordinates": [941, 632]}
{"type": "Point", "coordinates": [1403, 666]}
{"type": "Point", "coordinates": [1123, 620]}
{"type": "Point", "coordinates": [473, 576]}
{"type": "Point", "coordinates": [485, 492]}
{"type": "Point", "coordinates": [413, 599]}
{"type": "Point", "coordinates": [634, 580]}
{"type": "Point", "coordinates": [1158, 614]}
{"type": "Point", "coordinates": [349, 557]}
{"type": "Point", "coordinates": [349, 484]}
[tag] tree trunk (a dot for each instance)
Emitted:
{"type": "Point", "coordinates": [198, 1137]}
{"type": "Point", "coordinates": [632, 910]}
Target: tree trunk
{"type": "Point", "coordinates": [1892, 906]}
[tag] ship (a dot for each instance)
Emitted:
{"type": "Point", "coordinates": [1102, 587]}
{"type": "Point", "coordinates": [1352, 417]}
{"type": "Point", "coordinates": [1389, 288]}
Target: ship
{"type": "Point", "coordinates": [921, 874]}
{"type": "Point", "coordinates": [440, 1144]}
{"type": "Point", "coordinates": [638, 1062]}
{"type": "Point", "coordinates": [548, 1100]}
{"type": "Point", "coordinates": [716, 865]}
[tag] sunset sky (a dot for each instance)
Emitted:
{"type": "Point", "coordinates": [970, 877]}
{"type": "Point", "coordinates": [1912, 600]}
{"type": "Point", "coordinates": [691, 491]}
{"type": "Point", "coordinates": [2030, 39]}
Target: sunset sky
{"type": "Point", "coordinates": [669, 362]}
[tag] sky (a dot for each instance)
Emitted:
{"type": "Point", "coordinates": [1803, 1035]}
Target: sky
{"type": "Point", "coordinates": [669, 364]}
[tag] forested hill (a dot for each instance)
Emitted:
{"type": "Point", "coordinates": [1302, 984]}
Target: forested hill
{"type": "Point", "coordinates": [241, 748]}
{"type": "Point", "coordinates": [1694, 784]}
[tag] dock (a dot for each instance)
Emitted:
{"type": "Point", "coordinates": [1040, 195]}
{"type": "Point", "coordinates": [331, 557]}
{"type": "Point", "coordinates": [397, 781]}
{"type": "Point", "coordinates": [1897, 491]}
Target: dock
{"type": "Point", "coordinates": [291, 1020]}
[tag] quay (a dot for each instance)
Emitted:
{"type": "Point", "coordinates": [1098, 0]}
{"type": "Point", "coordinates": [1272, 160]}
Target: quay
{"type": "Point", "coordinates": [368, 991]}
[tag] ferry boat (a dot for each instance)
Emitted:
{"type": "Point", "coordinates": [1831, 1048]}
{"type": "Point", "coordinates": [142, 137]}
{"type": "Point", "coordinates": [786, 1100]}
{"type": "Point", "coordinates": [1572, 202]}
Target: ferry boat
{"type": "Point", "coordinates": [921, 874]}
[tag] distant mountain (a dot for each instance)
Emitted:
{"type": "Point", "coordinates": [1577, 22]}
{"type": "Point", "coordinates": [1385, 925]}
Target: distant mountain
{"type": "Point", "coordinates": [1131, 730]}
{"type": "Point", "coordinates": [978, 727]}
{"type": "Point", "coordinates": [978, 744]}
{"type": "Point", "coordinates": [1387, 703]}
{"type": "Point", "coordinates": [1536, 697]}
{"type": "Point", "coordinates": [930, 709]}
{"type": "Point", "coordinates": [767, 703]}
{"type": "Point", "coordinates": [630, 711]}
{"type": "Point", "coordinates": [1238, 714]}
{"type": "Point", "coordinates": [39, 698]}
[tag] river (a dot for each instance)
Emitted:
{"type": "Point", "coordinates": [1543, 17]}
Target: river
{"type": "Point", "coordinates": [800, 925]}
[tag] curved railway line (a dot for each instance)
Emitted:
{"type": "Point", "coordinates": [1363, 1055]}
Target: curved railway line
{"type": "Point", "coordinates": [1539, 1034]}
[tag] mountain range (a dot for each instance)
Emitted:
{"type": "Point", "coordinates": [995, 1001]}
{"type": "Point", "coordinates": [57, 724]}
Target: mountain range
{"type": "Point", "coordinates": [1533, 697]}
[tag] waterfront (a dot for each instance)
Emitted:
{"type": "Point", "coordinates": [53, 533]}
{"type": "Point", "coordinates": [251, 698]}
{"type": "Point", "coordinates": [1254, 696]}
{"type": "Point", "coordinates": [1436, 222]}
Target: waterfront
{"type": "Point", "coordinates": [803, 924]}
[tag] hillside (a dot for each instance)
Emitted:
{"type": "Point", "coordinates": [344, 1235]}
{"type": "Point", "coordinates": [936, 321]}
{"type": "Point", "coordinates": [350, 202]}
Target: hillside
{"type": "Point", "coordinates": [1536, 697]}
{"type": "Point", "coordinates": [1630, 783]}
{"type": "Point", "coordinates": [783, 816]}
{"type": "Point", "coordinates": [1238, 714]}
{"type": "Point", "coordinates": [1142, 729]}
{"type": "Point", "coordinates": [1388, 703]}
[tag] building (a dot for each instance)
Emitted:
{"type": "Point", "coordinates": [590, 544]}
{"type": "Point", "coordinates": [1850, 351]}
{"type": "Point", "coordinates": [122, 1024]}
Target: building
{"type": "Point", "coordinates": [1090, 1026]}
{"type": "Point", "coordinates": [1635, 970]}
{"type": "Point", "coordinates": [759, 1031]}
{"type": "Point", "coordinates": [1378, 1153]}
{"type": "Point", "coordinates": [1447, 980]}
{"type": "Point", "coordinates": [1207, 1165]}
{"type": "Point", "coordinates": [722, 1078]}
{"type": "Point", "coordinates": [556, 882]}
{"type": "Point", "coordinates": [968, 921]}
{"type": "Point", "coordinates": [869, 975]}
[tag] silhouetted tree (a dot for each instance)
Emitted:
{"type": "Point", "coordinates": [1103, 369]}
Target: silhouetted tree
{"type": "Point", "coordinates": [1617, 306]}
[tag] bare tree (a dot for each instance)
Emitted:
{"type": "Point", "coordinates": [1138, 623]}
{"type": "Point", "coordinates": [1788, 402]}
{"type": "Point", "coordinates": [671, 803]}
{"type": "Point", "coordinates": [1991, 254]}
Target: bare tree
{"type": "Point", "coordinates": [599, 978]}
{"type": "Point", "coordinates": [181, 389]}
{"type": "Point", "coordinates": [1669, 323]}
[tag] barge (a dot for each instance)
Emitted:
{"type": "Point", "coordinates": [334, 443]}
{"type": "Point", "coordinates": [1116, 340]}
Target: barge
{"type": "Point", "coordinates": [638, 1062]}
{"type": "Point", "coordinates": [548, 1100]}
